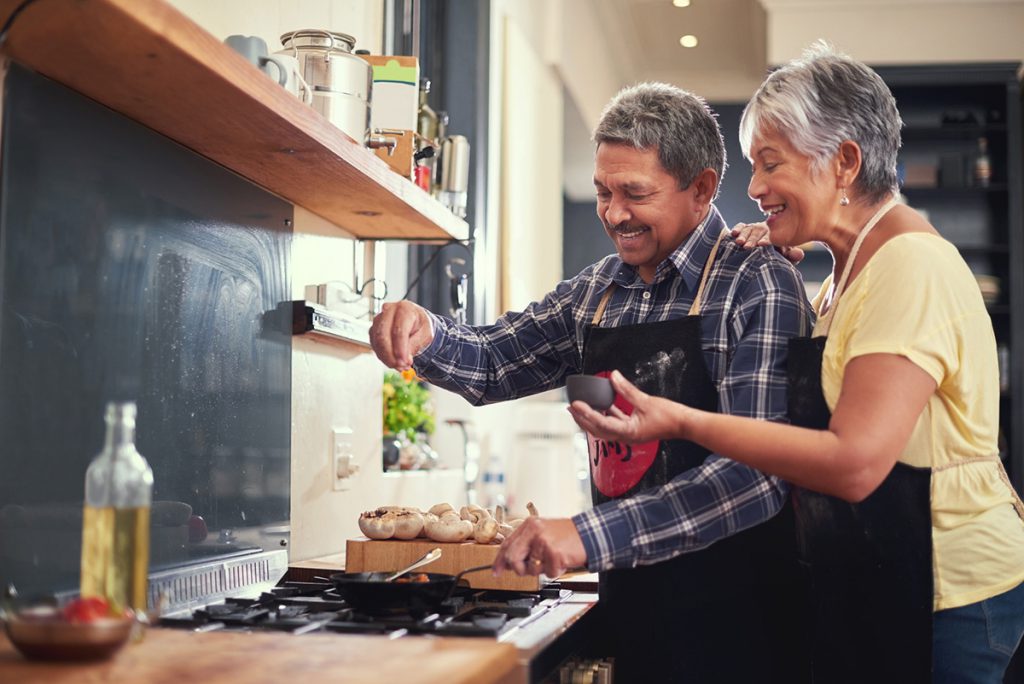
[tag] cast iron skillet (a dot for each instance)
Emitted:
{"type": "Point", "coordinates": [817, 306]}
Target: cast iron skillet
{"type": "Point", "coordinates": [368, 592]}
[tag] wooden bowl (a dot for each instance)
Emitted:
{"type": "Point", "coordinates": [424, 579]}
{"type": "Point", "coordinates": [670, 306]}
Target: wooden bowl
{"type": "Point", "coordinates": [45, 635]}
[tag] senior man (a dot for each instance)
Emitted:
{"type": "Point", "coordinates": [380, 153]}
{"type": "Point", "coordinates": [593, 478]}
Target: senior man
{"type": "Point", "coordinates": [684, 313]}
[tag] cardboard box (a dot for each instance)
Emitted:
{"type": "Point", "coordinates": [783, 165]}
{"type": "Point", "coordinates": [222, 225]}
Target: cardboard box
{"type": "Point", "coordinates": [395, 105]}
{"type": "Point", "coordinates": [400, 160]}
{"type": "Point", "coordinates": [396, 91]}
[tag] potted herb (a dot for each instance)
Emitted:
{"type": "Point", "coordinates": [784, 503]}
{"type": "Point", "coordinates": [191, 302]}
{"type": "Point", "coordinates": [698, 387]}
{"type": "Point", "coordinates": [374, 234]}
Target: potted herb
{"type": "Point", "coordinates": [408, 419]}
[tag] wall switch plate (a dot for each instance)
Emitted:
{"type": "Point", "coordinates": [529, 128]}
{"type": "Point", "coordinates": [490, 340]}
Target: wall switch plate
{"type": "Point", "coordinates": [341, 460]}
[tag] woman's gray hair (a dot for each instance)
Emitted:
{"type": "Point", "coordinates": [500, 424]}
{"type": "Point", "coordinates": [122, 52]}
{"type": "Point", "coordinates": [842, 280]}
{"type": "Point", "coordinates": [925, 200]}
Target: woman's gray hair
{"type": "Point", "coordinates": [822, 99]}
{"type": "Point", "coordinates": [677, 123]}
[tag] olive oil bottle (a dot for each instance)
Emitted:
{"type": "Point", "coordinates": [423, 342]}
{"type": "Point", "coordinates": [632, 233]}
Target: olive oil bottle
{"type": "Point", "coordinates": [115, 525]}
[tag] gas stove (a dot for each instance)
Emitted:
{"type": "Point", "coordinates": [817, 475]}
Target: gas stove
{"type": "Point", "coordinates": [305, 607]}
{"type": "Point", "coordinates": [246, 594]}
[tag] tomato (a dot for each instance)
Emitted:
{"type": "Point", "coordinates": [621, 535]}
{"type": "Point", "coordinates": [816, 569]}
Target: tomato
{"type": "Point", "coordinates": [197, 529]}
{"type": "Point", "coordinates": [87, 609]}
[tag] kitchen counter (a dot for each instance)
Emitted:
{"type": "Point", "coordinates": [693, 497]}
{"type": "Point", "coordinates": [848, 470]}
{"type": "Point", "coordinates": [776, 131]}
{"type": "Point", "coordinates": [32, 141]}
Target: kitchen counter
{"type": "Point", "coordinates": [168, 656]}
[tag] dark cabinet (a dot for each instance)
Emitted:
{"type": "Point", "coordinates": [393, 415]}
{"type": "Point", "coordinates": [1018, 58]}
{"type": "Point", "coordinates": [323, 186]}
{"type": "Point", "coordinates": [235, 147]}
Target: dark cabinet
{"type": "Point", "coordinates": [961, 165]}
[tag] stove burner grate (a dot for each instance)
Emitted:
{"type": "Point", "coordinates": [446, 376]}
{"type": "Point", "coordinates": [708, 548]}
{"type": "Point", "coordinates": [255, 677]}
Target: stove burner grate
{"type": "Point", "coordinates": [302, 607]}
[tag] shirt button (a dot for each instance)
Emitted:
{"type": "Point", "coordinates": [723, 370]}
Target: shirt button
{"type": "Point", "coordinates": [647, 294]}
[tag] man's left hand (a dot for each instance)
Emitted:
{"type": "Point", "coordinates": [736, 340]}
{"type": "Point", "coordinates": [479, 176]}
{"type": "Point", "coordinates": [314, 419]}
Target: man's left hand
{"type": "Point", "coordinates": [542, 545]}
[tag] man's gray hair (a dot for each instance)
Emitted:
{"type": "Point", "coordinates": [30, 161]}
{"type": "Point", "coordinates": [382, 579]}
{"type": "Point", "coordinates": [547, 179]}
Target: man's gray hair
{"type": "Point", "coordinates": [822, 99]}
{"type": "Point", "coordinates": [677, 123]}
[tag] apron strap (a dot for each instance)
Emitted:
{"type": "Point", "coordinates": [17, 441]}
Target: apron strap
{"type": "Point", "coordinates": [1018, 505]}
{"type": "Point", "coordinates": [605, 298]}
{"type": "Point", "coordinates": [694, 308]}
{"type": "Point", "coordinates": [826, 318]}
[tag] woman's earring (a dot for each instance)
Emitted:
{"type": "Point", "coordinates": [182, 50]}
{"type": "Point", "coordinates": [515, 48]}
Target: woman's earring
{"type": "Point", "coordinates": [844, 201]}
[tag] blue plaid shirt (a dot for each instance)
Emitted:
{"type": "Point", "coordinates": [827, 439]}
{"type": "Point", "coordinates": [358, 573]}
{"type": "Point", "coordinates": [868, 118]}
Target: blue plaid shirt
{"type": "Point", "coordinates": [753, 304]}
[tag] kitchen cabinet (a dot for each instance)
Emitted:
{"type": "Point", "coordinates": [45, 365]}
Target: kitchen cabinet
{"type": "Point", "coordinates": [976, 204]}
{"type": "Point", "coordinates": [146, 60]}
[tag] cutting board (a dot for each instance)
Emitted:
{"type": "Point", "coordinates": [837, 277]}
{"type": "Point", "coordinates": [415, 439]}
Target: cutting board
{"type": "Point", "coordinates": [371, 555]}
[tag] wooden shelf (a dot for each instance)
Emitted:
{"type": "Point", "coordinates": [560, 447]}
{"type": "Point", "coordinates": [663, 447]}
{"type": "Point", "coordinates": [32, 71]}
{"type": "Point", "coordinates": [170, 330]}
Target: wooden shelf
{"type": "Point", "coordinates": [148, 61]}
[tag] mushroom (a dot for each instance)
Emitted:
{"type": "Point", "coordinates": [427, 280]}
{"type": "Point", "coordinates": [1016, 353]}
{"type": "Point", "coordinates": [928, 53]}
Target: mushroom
{"type": "Point", "coordinates": [507, 528]}
{"type": "Point", "coordinates": [485, 530]}
{"type": "Point", "coordinates": [485, 527]}
{"type": "Point", "coordinates": [428, 517]}
{"type": "Point", "coordinates": [449, 528]}
{"type": "Point", "coordinates": [441, 508]}
{"type": "Point", "coordinates": [504, 529]}
{"type": "Point", "coordinates": [377, 524]}
{"type": "Point", "coordinates": [408, 523]}
{"type": "Point", "coordinates": [474, 513]}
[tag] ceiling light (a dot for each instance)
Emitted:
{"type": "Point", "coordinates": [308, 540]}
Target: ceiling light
{"type": "Point", "coordinates": [681, 3]}
{"type": "Point", "coordinates": [688, 41]}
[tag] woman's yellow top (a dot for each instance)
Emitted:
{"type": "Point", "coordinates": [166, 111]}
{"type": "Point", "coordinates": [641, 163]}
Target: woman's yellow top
{"type": "Point", "coordinates": [917, 298]}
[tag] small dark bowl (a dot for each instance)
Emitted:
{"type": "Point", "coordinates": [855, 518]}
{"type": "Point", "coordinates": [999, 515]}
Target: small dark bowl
{"type": "Point", "coordinates": [40, 636]}
{"type": "Point", "coordinates": [593, 390]}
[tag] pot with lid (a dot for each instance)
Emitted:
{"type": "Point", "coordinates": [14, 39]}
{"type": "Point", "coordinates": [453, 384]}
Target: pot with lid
{"type": "Point", "coordinates": [340, 81]}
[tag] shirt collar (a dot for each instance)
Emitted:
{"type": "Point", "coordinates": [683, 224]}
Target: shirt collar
{"type": "Point", "coordinates": [688, 259]}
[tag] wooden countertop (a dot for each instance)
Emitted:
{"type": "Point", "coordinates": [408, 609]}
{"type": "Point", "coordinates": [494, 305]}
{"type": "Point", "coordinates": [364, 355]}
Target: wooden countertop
{"type": "Point", "coordinates": [168, 656]}
{"type": "Point", "coordinates": [148, 61]}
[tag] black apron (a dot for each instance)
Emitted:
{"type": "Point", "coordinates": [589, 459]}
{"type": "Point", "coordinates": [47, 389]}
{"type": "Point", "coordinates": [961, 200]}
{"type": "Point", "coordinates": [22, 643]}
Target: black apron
{"type": "Point", "coordinates": [729, 613]}
{"type": "Point", "coordinates": [870, 563]}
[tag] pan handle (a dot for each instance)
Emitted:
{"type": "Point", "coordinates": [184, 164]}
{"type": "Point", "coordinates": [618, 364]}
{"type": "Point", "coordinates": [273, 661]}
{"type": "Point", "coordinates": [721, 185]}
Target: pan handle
{"type": "Point", "coordinates": [455, 580]}
{"type": "Point", "coordinates": [478, 568]}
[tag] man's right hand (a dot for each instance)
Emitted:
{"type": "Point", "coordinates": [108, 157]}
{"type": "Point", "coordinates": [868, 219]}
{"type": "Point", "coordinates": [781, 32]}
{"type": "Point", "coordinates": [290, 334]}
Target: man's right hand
{"type": "Point", "coordinates": [399, 332]}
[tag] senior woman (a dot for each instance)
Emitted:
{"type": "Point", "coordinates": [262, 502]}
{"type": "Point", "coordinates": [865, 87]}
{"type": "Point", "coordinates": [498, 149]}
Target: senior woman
{"type": "Point", "coordinates": [909, 526]}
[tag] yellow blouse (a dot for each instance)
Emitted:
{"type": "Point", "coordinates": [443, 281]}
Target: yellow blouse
{"type": "Point", "coordinates": [917, 298]}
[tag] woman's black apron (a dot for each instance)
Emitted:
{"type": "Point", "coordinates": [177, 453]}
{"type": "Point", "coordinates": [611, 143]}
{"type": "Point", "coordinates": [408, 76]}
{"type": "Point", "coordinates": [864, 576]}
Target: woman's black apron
{"type": "Point", "coordinates": [870, 563]}
{"type": "Point", "coordinates": [728, 613]}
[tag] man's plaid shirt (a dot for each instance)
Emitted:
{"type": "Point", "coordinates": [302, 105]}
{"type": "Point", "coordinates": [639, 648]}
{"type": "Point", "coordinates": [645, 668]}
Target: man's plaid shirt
{"type": "Point", "coordinates": [753, 304]}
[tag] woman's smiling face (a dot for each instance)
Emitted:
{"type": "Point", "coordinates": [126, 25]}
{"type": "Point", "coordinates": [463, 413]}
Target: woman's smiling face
{"type": "Point", "coordinates": [799, 202]}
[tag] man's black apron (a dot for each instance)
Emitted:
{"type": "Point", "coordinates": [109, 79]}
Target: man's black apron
{"type": "Point", "coordinates": [870, 563]}
{"type": "Point", "coordinates": [729, 613]}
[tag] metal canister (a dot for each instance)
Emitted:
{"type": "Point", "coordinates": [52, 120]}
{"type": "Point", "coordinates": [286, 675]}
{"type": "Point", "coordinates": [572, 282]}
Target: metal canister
{"type": "Point", "coordinates": [341, 82]}
{"type": "Point", "coordinates": [454, 181]}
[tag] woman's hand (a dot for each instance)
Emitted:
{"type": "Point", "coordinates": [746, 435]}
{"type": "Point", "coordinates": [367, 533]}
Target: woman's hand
{"type": "Point", "coordinates": [652, 417]}
{"type": "Point", "coordinates": [751, 235]}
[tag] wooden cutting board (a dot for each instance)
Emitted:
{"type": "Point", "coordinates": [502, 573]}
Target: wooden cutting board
{"type": "Point", "coordinates": [371, 555]}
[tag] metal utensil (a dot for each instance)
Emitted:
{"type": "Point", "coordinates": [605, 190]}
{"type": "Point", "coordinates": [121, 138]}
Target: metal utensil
{"type": "Point", "coordinates": [428, 558]}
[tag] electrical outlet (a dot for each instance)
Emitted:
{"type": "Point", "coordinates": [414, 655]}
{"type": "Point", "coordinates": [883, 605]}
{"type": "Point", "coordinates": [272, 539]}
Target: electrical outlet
{"type": "Point", "coordinates": [341, 460]}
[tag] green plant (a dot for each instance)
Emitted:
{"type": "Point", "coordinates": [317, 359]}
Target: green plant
{"type": "Point", "coordinates": [407, 407]}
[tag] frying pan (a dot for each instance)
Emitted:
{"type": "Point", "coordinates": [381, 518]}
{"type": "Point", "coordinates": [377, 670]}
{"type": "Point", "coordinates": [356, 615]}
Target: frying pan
{"type": "Point", "coordinates": [369, 593]}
